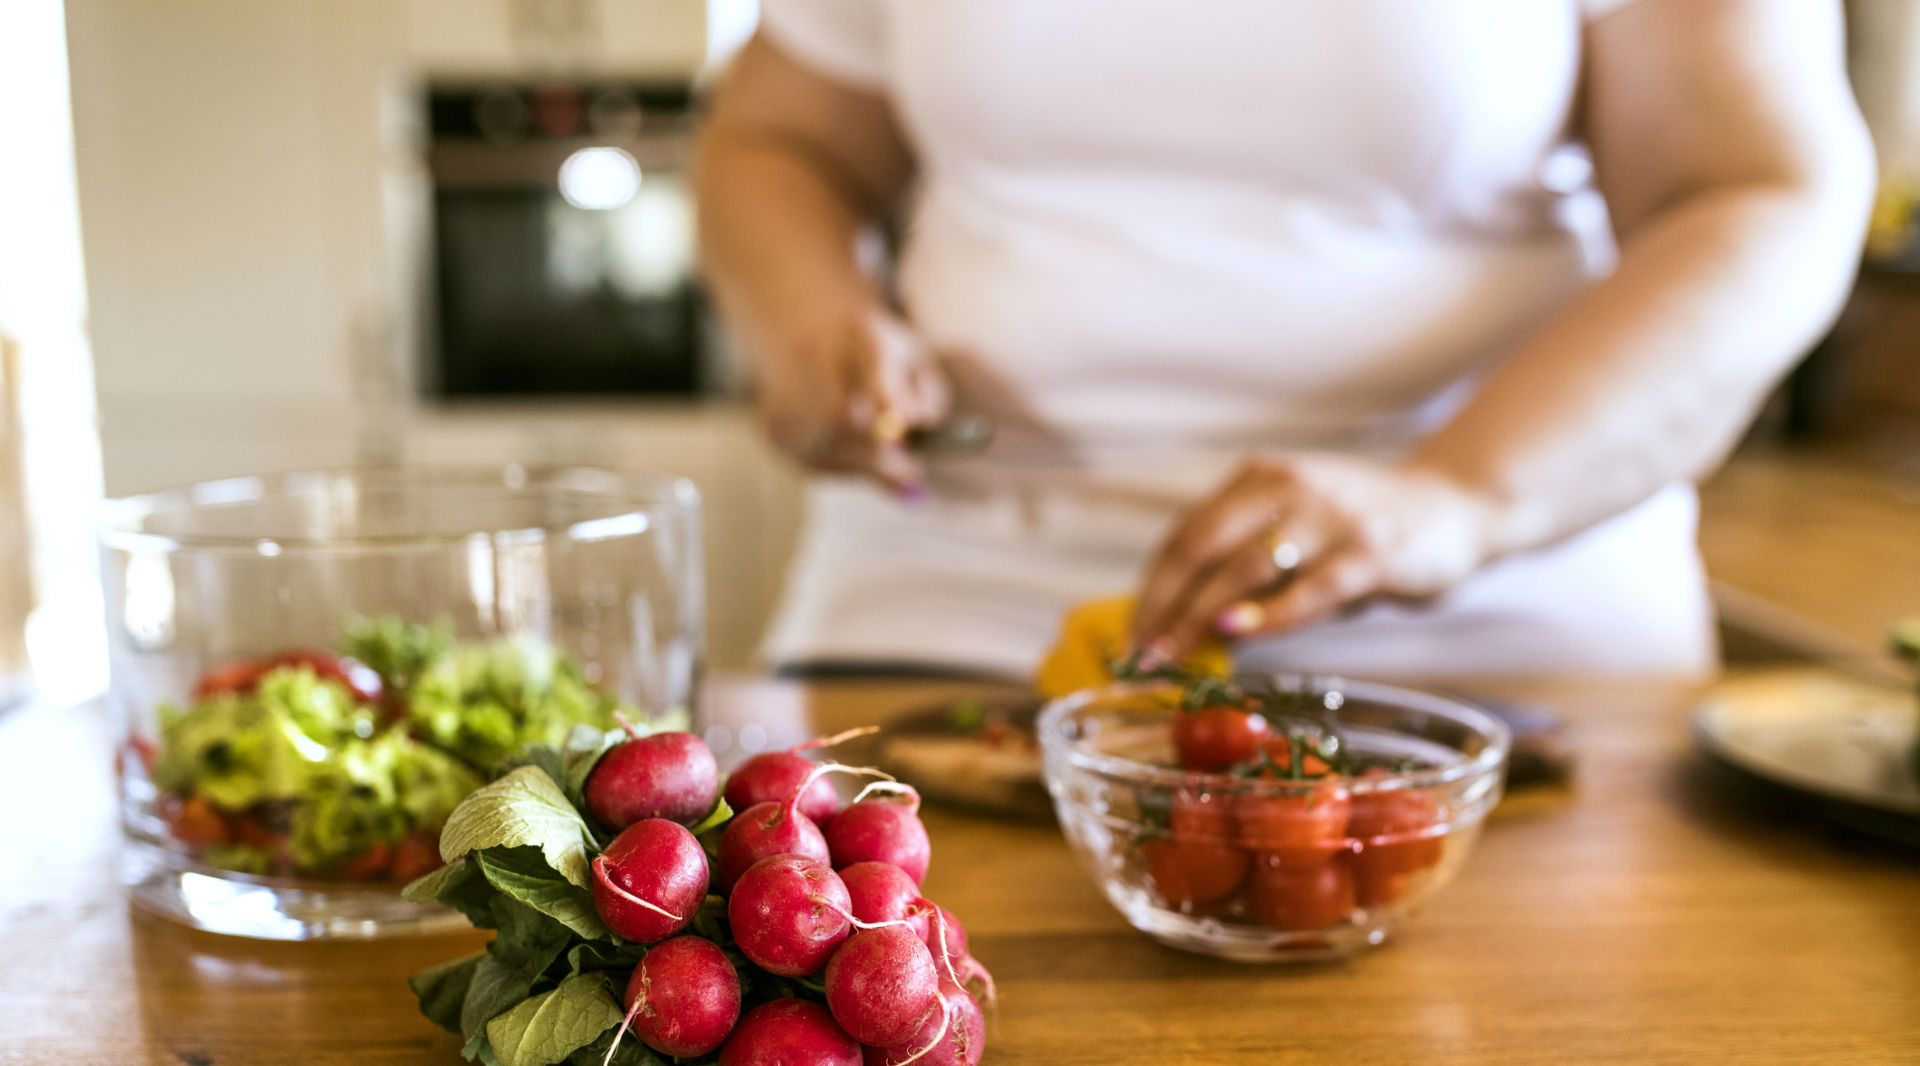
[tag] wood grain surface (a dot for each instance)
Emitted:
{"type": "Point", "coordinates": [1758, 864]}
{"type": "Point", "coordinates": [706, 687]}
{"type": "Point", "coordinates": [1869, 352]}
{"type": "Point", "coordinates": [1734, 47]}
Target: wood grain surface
{"type": "Point", "coordinates": [1651, 914]}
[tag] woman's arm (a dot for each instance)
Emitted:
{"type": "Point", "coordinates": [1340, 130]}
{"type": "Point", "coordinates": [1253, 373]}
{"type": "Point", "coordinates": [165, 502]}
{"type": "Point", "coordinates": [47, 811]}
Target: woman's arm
{"type": "Point", "coordinates": [1739, 175]}
{"type": "Point", "coordinates": [793, 169]}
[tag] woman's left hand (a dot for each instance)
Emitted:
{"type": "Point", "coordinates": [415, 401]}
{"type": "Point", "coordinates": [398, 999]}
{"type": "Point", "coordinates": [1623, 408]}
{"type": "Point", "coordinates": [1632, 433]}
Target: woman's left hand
{"type": "Point", "coordinates": [1289, 540]}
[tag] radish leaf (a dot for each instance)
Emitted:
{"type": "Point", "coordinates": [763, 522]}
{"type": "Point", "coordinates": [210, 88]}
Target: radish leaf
{"type": "Point", "coordinates": [443, 989]}
{"type": "Point", "coordinates": [553, 1025]}
{"type": "Point", "coordinates": [522, 874]}
{"type": "Point", "coordinates": [523, 808]}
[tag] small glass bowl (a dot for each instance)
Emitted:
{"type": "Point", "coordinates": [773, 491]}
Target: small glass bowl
{"type": "Point", "coordinates": [1266, 869]}
{"type": "Point", "coordinates": [532, 598]}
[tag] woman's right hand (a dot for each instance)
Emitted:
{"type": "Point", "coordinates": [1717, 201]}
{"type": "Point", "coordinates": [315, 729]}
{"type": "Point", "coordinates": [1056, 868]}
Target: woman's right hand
{"type": "Point", "coordinates": [844, 393]}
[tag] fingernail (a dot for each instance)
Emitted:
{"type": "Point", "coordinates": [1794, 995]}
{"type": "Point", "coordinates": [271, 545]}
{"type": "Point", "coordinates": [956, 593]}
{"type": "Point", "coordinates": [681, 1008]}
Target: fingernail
{"type": "Point", "coordinates": [1155, 655]}
{"type": "Point", "coordinates": [1239, 618]}
{"type": "Point", "coordinates": [913, 494]}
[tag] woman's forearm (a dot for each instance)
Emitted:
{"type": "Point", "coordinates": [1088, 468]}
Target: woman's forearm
{"type": "Point", "coordinates": [792, 170]}
{"type": "Point", "coordinates": [1650, 377]}
{"type": "Point", "coordinates": [778, 240]}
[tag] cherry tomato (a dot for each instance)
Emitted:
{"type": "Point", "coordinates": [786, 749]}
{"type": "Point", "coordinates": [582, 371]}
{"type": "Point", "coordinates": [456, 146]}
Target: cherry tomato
{"type": "Point", "coordinates": [369, 864]}
{"type": "Point", "coordinates": [250, 830]}
{"type": "Point", "coordinates": [416, 854]}
{"type": "Point", "coordinates": [1201, 817]}
{"type": "Point", "coordinates": [1214, 738]}
{"type": "Point", "coordinates": [359, 679]}
{"type": "Point", "coordinates": [1187, 873]}
{"type": "Point", "coordinates": [1281, 753]}
{"type": "Point", "coordinates": [239, 676]}
{"type": "Point", "coordinates": [1299, 899]}
{"type": "Point", "coordinates": [197, 823]}
{"type": "Point", "coordinates": [1305, 828]}
{"type": "Point", "coordinates": [1394, 833]}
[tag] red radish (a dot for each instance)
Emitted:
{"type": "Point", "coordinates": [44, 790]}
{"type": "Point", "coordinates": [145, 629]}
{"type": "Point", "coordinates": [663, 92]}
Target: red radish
{"type": "Point", "coordinates": [943, 926]}
{"type": "Point", "coordinates": [770, 776]}
{"type": "Point", "coordinates": [881, 831]}
{"type": "Point", "coordinates": [789, 1032]}
{"type": "Point", "coordinates": [683, 998]}
{"type": "Point", "coordinates": [768, 829]}
{"type": "Point", "coordinates": [650, 880]}
{"type": "Point", "coordinates": [953, 1033]}
{"type": "Point", "coordinates": [665, 775]}
{"type": "Point", "coordinates": [880, 984]}
{"type": "Point", "coordinates": [788, 914]}
{"type": "Point", "coordinates": [882, 892]}
{"type": "Point", "coordinates": [763, 831]}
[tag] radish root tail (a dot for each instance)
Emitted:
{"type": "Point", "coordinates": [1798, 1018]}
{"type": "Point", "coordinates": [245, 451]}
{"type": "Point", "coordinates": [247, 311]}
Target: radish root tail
{"type": "Point", "coordinates": [837, 738]}
{"type": "Point", "coordinates": [793, 798]}
{"type": "Point", "coordinates": [946, 1022]}
{"type": "Point", "coordinates": [600, 873]}
{"type": "Point", "coordinates": [895, 787]}
{"type": "Point", "coordinates": [855, 922]}
{"type": "Point", "coordinates": [627, 724]}
{"type": "Point", "coordinates": [624, 1023]}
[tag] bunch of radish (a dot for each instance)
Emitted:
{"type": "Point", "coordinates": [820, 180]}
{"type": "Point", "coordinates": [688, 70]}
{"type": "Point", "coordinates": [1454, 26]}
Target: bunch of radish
{"type": "Point", "coordinates": [821, 894]}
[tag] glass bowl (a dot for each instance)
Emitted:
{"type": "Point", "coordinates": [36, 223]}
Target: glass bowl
{"type": "Point", "coordinates": [1264, 869]}
{"type": "Point", "coordinates": [311, 669]}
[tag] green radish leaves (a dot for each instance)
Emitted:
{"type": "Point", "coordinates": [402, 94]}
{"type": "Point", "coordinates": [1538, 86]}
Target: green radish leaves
{"type": "Point", "coordinates": [553, 1025]}
{"type": "Point", "coordinates": [444, 988]}
{"type": "Point", "coordinates": [522, 873]}
{"type": "Point", "coordinates": [523, 808]}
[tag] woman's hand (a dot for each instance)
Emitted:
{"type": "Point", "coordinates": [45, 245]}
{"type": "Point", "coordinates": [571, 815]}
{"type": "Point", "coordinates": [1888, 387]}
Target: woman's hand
{"type": "Point", "coordinates": [1289, 540]}
{"type": "Point", "coordinates": [845, 392]}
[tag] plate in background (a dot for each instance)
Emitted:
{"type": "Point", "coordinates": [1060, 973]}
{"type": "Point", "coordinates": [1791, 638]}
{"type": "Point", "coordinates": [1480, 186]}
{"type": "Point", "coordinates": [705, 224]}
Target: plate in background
{"type": "Point", "coordinates": [1845, 741]}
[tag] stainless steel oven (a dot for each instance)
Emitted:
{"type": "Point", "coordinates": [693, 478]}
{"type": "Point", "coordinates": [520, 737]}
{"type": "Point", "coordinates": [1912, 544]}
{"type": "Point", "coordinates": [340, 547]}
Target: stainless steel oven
{"type": "Point", "coordinates": [563, 243]}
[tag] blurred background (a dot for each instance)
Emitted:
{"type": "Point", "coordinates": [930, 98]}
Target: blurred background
{"type": "Point", "coordinates": [241, 236]}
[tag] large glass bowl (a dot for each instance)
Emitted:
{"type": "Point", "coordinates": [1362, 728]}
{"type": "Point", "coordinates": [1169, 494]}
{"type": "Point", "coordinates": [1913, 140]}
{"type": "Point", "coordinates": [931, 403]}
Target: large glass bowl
{"type": "Point", "coordinates": [1263, 869]}
{"type": "Point", "coordinates": [270, 787]}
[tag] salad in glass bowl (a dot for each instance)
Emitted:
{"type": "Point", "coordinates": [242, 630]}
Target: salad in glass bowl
{"type": "Point", "coordinates": [345, 765]}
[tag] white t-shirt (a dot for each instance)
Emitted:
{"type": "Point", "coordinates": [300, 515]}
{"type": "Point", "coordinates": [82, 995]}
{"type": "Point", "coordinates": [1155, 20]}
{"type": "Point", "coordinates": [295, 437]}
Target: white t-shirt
{"type": "Point", "coordinates": [1151, 237]}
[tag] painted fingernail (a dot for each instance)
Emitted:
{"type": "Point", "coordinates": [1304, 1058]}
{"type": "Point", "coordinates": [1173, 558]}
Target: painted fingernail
{"type": "Point", "coordinates": [1154, 656]}
{"type": "Point", "coordinates": [915, 493]}
{"type": "Point", "coordinates": [1239, 618]}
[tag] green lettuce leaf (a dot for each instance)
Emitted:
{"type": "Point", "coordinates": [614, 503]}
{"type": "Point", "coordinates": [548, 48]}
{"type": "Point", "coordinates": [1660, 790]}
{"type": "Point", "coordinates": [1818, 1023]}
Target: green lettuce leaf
{"type": "Point", "coordinates": [443, 988]}
{"type": "Point", "coordinates": [549, 1027]}
{"type": "Point", "coordinates": [523, 808]}
{"type": "Point", "coordinates": [523, 874]}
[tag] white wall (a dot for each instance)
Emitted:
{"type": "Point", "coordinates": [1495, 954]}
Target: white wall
{"type": "Point", "coordinates": [246, 172]}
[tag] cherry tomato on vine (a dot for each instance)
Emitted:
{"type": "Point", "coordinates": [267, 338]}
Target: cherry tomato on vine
{"type": "Point", "coordinates": [1201, 817]}
{"type": "Point", "coordinates": [1280, 751]}
{"type": "Point", "coordinates": [1395, 834]}
{"type": "Point", "coordinates": [1304, 828]}
{"type": "Point", "coordinates": [1186, 873]}
{"type": "Point", "coordinates": [1301, 899]}
{"type": "Point", "coordinates": [1214, 738]}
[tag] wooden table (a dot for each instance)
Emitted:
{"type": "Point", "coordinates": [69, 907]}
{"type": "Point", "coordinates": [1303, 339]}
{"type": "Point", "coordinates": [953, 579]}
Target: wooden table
{"type": "Point", "coordinates": [1647, 918]}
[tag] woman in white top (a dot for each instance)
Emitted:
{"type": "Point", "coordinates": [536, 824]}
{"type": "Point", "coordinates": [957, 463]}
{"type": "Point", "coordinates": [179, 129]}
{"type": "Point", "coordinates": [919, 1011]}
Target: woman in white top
{"type": "Point", "coordinates": [1399, 327]}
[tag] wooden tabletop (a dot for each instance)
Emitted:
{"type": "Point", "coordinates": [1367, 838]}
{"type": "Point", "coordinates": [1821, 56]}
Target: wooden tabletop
{"type": "Point", "coordinates": [1648, 916]}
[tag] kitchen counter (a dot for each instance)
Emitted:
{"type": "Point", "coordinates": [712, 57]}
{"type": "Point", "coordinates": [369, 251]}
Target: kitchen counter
{"type": "Point", "coordinates": [1644, 916]}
